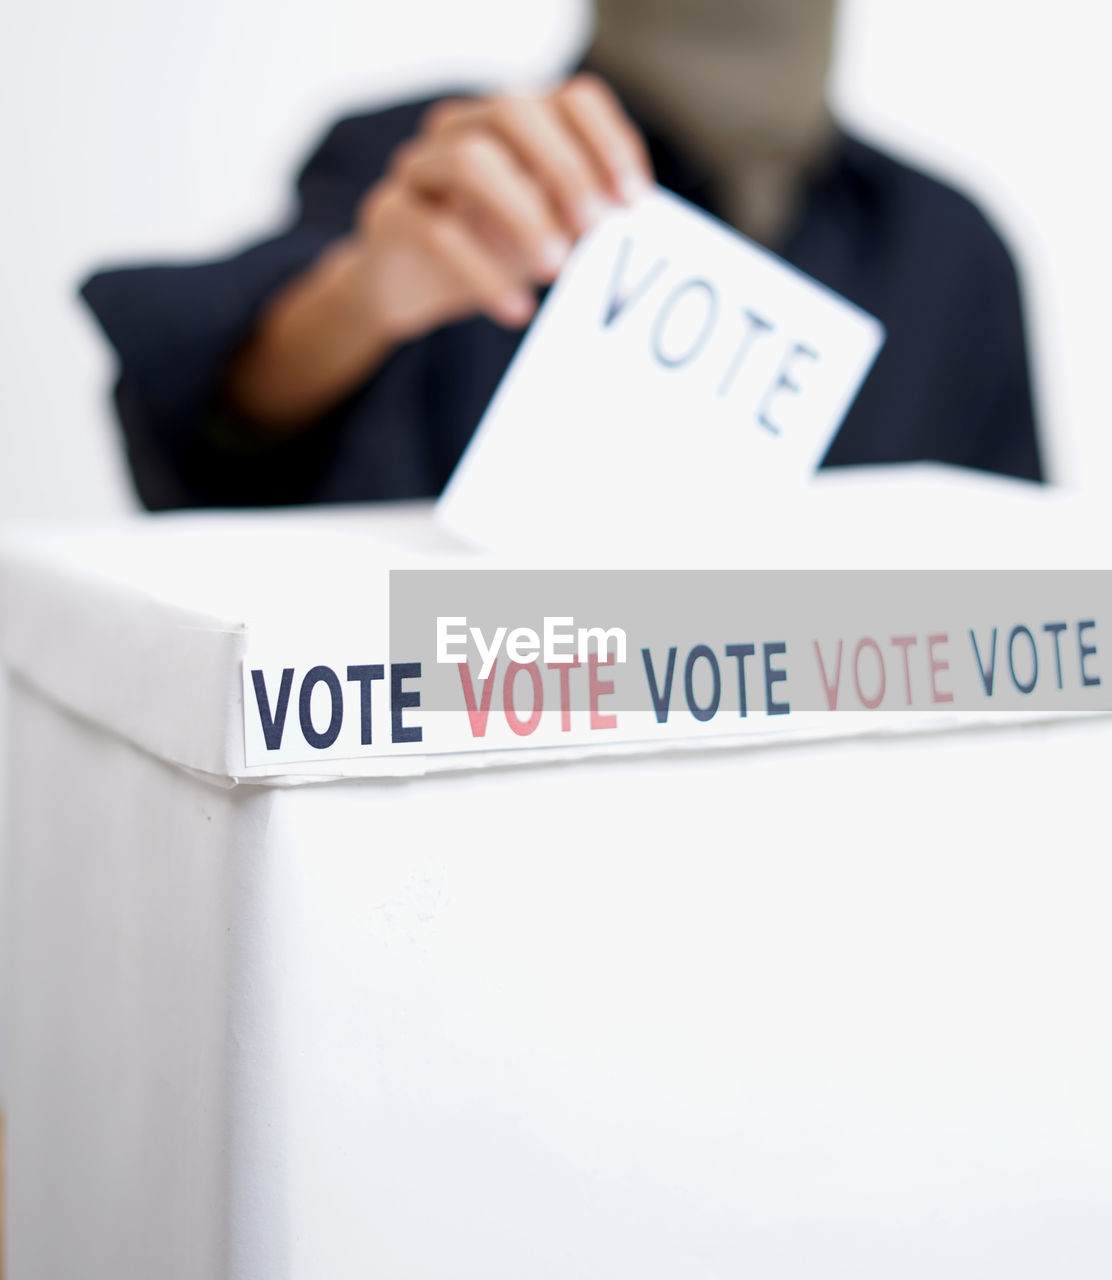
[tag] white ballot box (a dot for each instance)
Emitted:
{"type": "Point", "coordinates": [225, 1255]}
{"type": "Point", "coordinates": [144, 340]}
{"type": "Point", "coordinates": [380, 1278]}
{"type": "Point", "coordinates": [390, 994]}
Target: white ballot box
{"type": "Point", "coordinates": [778, 1002]}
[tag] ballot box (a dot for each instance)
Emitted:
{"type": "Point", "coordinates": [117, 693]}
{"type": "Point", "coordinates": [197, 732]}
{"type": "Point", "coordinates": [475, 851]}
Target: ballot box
{"type": "Point", "coordinates": [785, 1002]}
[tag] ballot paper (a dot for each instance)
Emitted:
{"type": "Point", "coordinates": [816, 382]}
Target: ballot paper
{"type": "Point", "coordinates": [675, 370]}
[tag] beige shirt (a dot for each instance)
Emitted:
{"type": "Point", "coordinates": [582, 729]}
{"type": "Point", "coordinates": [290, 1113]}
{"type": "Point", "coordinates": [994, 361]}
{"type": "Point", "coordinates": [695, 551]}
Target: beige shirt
{"type": "Point", "coordinates": [740, 83]}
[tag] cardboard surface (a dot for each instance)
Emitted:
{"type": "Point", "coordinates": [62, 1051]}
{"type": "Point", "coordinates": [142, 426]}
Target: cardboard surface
{"type": "Point", "coordinates": [835, 1008]}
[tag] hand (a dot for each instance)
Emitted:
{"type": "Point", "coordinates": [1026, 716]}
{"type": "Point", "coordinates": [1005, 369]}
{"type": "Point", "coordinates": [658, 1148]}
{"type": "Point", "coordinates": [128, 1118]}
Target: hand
{"type": "Point", "coordinates": [485, 203]}
{"type": "Point", "coordinates": [475, 212]}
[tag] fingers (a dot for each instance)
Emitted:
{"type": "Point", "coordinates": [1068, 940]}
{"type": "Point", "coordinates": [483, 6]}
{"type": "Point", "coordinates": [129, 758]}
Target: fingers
{"type": "Point", "coordinates": [482, 180]}
{"type": "Point", "coordinates": [595, 117]}
{"type": "Point", "coordinates": [543, 146]}
{"type": "Point", "coordinates": [485, 282]}
{"type": "Point", "coordinates": [486, 202]}
{"type": "Point", "coordinates": [577, 145]}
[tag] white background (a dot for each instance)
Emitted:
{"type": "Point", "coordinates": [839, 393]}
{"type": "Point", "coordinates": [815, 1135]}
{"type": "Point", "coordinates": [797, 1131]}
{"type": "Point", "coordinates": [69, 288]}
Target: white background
{"type": "Point", "coordinates": [137, 129]}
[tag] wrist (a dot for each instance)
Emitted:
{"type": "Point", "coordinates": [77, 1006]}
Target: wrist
{"type": "Point", "coordinates": [350, 275]}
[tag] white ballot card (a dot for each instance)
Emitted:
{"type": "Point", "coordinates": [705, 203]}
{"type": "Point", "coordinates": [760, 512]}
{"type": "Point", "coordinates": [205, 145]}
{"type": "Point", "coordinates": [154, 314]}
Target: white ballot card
{"type": "Point", "coordinates": [675, 368]}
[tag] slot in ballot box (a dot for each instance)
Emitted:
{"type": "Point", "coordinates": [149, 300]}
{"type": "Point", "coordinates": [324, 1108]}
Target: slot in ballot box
{"type": "Point", "coordinates": [786, 1003]}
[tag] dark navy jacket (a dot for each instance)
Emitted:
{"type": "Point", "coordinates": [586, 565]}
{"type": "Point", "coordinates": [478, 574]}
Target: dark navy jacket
{"type": "Point", "coordinates": [950, 385]}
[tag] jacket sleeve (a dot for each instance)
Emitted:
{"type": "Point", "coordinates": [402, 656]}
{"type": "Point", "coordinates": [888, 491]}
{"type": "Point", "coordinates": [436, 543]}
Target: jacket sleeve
{"type": "Point", "coordinates": [1008, 441]}
{"type": "Point", "coordinates": [176, 328]}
